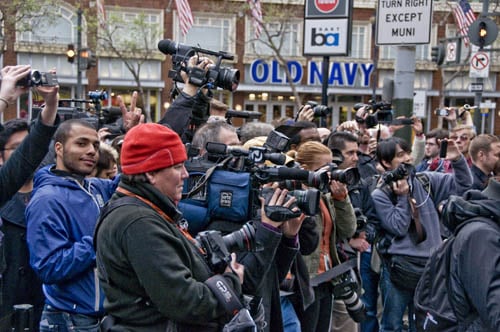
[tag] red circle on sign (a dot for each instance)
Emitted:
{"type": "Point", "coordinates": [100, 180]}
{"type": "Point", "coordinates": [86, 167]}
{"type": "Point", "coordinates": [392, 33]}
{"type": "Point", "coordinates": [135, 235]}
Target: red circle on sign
{"type": "Point", "coordinates": [326, 6]}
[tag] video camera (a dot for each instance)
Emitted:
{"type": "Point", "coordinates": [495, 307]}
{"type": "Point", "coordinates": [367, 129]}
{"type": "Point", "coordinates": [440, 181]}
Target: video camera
{"type": "Point", "coordinates": [217, 248]}
{"type": "Point", "coordinates": [378, 112]}
{"type": "Point", "coordinates": [38, 78]}
{"type": "Point", "coordinates": [223, 77]}
{"type": "Point", "coordinates": [99, 117]}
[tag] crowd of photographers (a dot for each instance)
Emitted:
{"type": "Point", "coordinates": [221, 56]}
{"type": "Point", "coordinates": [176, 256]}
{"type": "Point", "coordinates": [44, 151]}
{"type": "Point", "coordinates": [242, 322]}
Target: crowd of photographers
{"type": "Point", "coordinates": [192, 224]}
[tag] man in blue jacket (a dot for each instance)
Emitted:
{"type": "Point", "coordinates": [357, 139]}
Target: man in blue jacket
{"type": "Point", "coordinates": [60, 218]}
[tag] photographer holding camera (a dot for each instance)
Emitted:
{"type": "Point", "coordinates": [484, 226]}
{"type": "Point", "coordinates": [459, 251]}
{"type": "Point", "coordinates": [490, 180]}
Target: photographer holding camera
{"type": "Point", "coordinates": [368, 223]}
{"type": "Point", "coordinates": [336, 221]}
{"type": "Point", "coordinates": [152, 271]}
{"type": "Point", "coordinates": [190, 108]}
{"type": "Point", "coordinates": [406, 203]}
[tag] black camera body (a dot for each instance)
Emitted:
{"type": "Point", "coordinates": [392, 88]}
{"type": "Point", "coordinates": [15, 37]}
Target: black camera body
{"type": "Point", "coordinates": [216, 77]}
{"type": "Point", "coordinates": [379, 112]}
{"type": "Point", "coordinates": [362, 225]}
{"type": "Point", "coordinates": [217, 248]}
{"type": "Point", "coordinates": [38, 78]}
{"type": "Point", "coordinates": [396, 174]}
{"type": "Point", "coordinates": [319, 110]}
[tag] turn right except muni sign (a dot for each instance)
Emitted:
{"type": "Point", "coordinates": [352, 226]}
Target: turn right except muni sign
{"type": "Point", "coordinates": [404, 22]}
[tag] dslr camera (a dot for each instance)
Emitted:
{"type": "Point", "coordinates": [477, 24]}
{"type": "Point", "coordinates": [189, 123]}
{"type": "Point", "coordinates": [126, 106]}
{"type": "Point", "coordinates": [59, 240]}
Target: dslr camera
{"type": "Point", "coordinates": [398, 173]}
{"type": "Point", "coordinates": [217, 76]}
{"type": "Point", "coordinates": [38, 78]}
{"type": "Point", "coordinates": [319, 110]}
{"type": "Point", "coordinates": [217, 248]}
{"type": "Point", "coordinates": [362, 225]}
{"type": "Point", "coordinates": [345, 288]}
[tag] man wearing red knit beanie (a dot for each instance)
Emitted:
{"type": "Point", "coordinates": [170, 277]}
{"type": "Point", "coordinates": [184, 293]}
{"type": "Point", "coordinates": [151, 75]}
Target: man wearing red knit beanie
{"type": "Point", "coordinates": [151, 271]}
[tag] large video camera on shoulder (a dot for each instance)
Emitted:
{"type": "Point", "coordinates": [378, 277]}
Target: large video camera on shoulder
{"type": "Point", "coordinates": [216, 77]}
{"type": "Point", "coordinates": [97, 115]}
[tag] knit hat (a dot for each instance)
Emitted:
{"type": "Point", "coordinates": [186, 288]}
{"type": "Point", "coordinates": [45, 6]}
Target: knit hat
{"type": "Point", "coordinates": [151, 146]}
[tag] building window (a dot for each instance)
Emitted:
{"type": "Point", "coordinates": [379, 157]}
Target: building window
{"type": "Point", "coordinates": [133, 26]}
{"type": "Point", "coordinates": [110, 68]}
{"type": "Point", "coordinates": [62, 29]}
{"type": "Point", "coordinates": [210, 31]}
{"type": "Point", "coordinates": [360, 41]}
{"type": "Point", "coordinates": [288, 34]}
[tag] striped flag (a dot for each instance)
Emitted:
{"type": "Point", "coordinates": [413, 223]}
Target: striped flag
{"type": "Point", "coordinates": [101, 13]}
{"type": "Point", "coordinates": [256, 12]}
{"type": "Point", "coordinates": [185, 15]}
{"type": "Point", "coordinates": [464, 16]}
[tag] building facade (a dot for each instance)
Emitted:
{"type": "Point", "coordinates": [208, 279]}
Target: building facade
{"type": "Point", "coordinates": [223, 25]}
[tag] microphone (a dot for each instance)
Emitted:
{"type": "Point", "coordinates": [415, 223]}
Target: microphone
{"type": "Point", "coordinates": [166, 46]}
{"type": "Point", "coordinates": [243, 114]}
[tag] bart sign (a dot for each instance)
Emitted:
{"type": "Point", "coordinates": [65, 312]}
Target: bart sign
{"type": "Point", "coordinates": [404, 22]}
{"type": "Point", "coordinates": [327, 27]}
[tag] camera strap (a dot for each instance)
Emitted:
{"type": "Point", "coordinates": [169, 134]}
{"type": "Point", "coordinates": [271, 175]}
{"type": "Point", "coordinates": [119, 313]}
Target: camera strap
{"type": "Point", "coordinates": [334, 272]}
{"type": "Point", "coordinates": [202, 182]}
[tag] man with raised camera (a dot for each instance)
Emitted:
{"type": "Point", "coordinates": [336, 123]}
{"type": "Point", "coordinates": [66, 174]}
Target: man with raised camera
{"type": "Point", "coordinates": [26, 158]}
{"type": "Point", "coordinates": [406, 202]}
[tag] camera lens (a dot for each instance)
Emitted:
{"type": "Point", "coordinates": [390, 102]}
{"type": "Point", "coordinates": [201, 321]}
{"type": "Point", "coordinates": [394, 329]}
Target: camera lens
{"type": "Point", "coordinates": [322, 110]}
{"type": "Point", "coordinates": [318, 180]}
{"type": "Point", "coordinates": [349, 176]}
{"type": "Point", "coordinates": [241, 240]}
{"type": "Point", "coordinates": [307, 200]}
{"type": "Point", "coordinates": [36, 78]}
{"type": "Point", "coordinates": [228, 79]}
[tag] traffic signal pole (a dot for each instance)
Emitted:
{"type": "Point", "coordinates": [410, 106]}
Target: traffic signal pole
{"type": "Point", "coordinates": [478, 118]}
{"type": "Point", "coordinates": [404, 78]}
{"type": "Point", "coordinates": [78, 59]}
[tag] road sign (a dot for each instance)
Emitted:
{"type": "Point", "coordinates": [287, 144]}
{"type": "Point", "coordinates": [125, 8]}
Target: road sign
{"type": "Point", "coordinates": [404, 22]}
{"type": "Point", "coordinates": [488, 105]}
{"type": "Point", "coordinates": [476, 87]}
{"type": "Point", "coordinates": [327, 27]}
{"type": "Point", "coordinates": [479, 65]}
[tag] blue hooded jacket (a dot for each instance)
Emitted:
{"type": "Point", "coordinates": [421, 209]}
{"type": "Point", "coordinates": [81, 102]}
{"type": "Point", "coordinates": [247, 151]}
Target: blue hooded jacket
{"type": "Point", "coordinates": [61, 217]}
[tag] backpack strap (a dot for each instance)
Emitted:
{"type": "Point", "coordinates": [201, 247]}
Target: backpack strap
{"type": "Point", "coordinates": [110, 206]}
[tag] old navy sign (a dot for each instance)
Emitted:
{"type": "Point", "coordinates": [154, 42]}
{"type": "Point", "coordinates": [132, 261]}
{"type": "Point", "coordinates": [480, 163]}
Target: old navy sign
{"type": "Point", "coordinates": [347, 74]}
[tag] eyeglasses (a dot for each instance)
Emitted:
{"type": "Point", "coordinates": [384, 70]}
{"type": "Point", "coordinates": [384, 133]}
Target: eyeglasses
{"type": "Point", "coordinates": [460, 138]}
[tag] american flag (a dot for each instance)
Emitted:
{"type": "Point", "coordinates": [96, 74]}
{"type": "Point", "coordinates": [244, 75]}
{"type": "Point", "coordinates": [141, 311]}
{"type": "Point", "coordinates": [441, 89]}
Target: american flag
{"type": "Point", "coordinates": [256, 12]}
{"type": "Point", "coordinates": [185, 15]}
{"type": "Point", "coordinates": [101, 13]}
{"type": "Point", "coordinates": [464, 16]}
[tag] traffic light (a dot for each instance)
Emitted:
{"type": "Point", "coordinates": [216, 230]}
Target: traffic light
{"type": "Point", "coordinates": [70, 53]}
{"type": "Point", "coordinates": [84, 55]}
{"type": "Point", "coordinates": [483, 32]}
{"type": "Point", "coordinates": [87, 59]}
{"type": "Point", "coordinates": [437, 54]}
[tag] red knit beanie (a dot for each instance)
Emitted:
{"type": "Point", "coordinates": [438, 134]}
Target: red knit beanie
{"type": "Point", "coordinates": [151, 146]}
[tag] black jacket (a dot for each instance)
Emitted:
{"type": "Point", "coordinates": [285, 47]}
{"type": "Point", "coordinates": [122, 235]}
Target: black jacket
{"type": "Point", "coordinates": [186, 115]}
{"type": "Point", "coordinates": [151, 273]}
{"type": "Point", "coordinates": [475, 262]}
{"type": "Point", "coordinates": [25, 160]}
